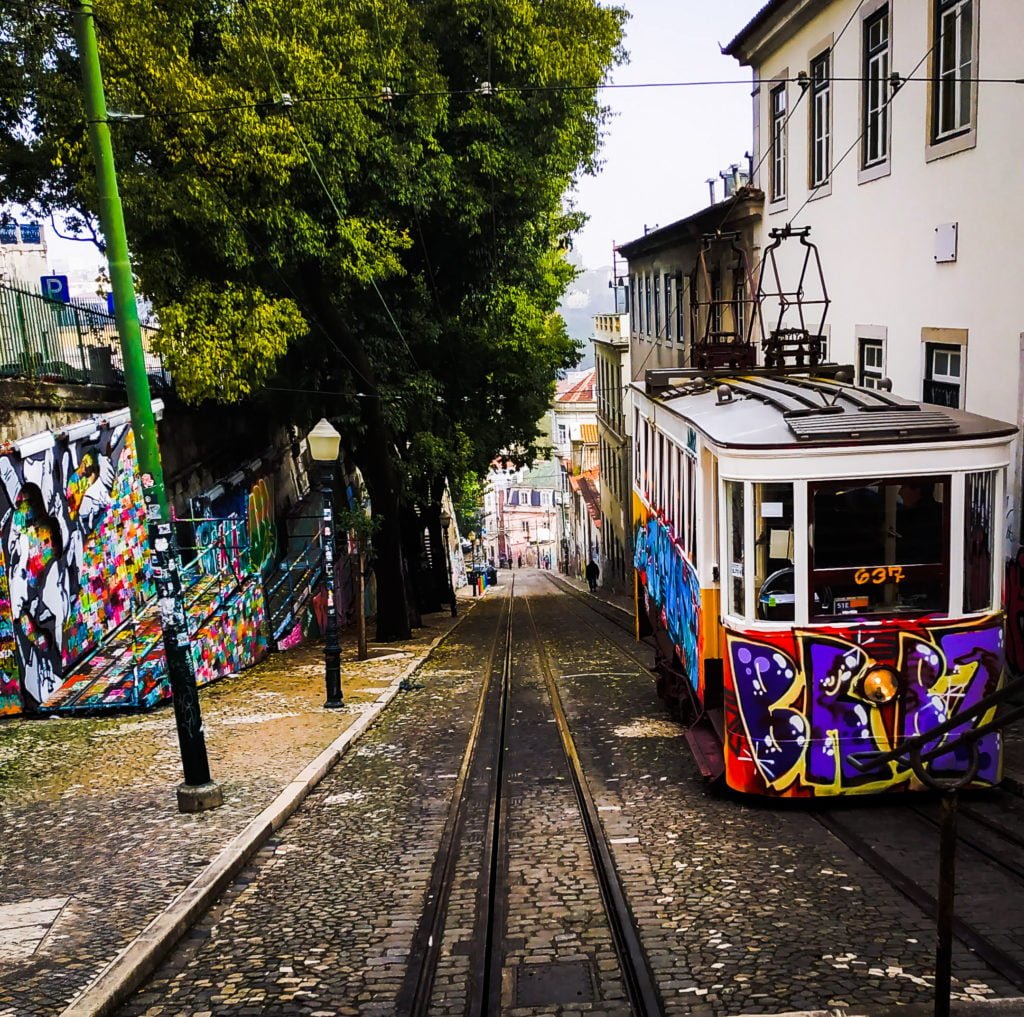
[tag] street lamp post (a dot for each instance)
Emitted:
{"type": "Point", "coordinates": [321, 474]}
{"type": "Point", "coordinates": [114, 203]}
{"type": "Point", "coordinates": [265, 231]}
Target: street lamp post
{"type": "Point", "coordinates": [324, 443]}
{"type": "Point", "coordinates": [446, 521]}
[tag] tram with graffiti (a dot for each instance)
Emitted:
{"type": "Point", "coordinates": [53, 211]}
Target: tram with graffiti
{"type": "Point", "coordinates": [820, 567]}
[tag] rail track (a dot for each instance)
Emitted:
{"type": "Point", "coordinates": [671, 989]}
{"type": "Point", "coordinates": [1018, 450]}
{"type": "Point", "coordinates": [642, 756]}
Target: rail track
{"type": "Point", "coordinates": [478, 832]}
{"type": "Point", "coordinates": [877, 853]}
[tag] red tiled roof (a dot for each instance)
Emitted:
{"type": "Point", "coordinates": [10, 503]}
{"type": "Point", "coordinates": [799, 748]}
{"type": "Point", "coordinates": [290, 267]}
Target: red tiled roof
{"type": "Point", "coordinates": [577, 387]}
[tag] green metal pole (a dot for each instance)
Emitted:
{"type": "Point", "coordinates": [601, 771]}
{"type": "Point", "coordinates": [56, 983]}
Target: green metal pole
{"type": "Point", "coordinates": [198, 792]}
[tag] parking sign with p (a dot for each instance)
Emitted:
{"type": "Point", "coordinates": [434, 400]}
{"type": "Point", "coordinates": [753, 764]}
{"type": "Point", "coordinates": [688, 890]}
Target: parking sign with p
{"type": "Point", "coordinates": [55, 287]}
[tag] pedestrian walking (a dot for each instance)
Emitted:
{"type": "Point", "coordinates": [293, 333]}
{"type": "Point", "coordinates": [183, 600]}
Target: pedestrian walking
{"type": "Point", "coordinates": [592, 573]}
{"type": "Point", "coordinates": [519, 561]}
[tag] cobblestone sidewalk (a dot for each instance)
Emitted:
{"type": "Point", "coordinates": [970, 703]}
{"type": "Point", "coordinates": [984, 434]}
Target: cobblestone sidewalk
{"type": "Point", "coordinates": [92, 847]}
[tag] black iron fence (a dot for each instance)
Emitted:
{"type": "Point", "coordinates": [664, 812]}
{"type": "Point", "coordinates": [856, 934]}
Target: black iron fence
{"type": "Point", "coordinates": [74, 342]}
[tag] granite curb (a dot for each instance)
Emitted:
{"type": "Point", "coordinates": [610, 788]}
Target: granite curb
{"type": "Point", "coordinates": [129, 969]}
{"type": "Point", "coordinates": [982, 1008]}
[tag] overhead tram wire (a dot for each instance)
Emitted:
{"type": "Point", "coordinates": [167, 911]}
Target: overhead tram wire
{"type": "Point", "coordinates": [803, 92]}
{"type": "Point", "coordinates": [298, 100]}
{"type": "Point", "coordinates": [323, 183]}
{"type": "Point", "coordinates": [860, 137]}
{"type": "Point", "coordinates": [250, 240]}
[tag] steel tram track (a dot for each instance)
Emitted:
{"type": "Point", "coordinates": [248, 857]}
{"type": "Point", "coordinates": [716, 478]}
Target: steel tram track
{"type": "Point", "coordinates": [994, 956]}
{"type": "Point", "coordinates": [485, 988]}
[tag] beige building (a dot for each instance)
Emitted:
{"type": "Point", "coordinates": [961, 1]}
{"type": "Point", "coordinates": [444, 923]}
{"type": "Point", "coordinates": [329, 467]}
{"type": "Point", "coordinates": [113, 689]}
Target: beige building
{"type": "Point", "coordinates": [880, 126]}
{"type": "Point", "coordinates": [611, 357]}
{"type": "Point", "coordinates": [691, 280]}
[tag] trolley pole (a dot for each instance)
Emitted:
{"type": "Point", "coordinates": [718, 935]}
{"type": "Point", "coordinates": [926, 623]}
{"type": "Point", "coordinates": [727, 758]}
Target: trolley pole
{"type": "Point", "coordinates": [198, 792]}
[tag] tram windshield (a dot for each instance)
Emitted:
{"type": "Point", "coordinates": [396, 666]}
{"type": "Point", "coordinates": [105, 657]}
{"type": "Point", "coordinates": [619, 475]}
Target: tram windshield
{"type": "Point", "coordinates": [879, 545]}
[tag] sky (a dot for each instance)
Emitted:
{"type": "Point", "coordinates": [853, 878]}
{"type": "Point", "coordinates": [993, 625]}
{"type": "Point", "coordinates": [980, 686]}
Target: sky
{"type": "Point", "coordinates": [663, 143]}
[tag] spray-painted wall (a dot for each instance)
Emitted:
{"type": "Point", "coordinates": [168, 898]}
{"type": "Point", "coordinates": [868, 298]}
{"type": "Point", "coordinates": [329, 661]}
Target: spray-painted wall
{"type": "Point", "coordinates": [796, 711]}
{"type": "Point", "coordinates": [72, 527]}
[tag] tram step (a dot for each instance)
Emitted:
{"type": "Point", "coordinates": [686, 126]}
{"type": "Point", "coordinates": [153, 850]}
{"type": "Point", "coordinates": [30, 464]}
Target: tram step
{"type": "Point", "coordinates": [706, 747]}
{"type": "Point", "coordinates": [717, 718]}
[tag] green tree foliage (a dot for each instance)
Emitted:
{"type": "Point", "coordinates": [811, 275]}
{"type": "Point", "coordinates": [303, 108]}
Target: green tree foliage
{"type": "Point", "coordinates": [359, 201]}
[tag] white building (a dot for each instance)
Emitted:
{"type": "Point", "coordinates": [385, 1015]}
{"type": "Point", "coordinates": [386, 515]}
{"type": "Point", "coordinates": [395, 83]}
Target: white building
{"type": "Point", "coordinates": [23, 257]}
{"type": "Point", "coordinates": [872, 127]}
{"type": "Point", "coordinates": [614, 418]}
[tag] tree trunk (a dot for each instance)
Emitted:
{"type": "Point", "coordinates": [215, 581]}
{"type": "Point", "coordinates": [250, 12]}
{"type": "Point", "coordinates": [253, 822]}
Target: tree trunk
{"type": "Point", "coordinates": [392, 615]}
{"type": "Point", "coordinates": [439, 560]}
{"type": "Point", "coordinates": [373, 455]}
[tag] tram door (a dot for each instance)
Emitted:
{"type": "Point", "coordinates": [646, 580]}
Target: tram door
{"type": "Point", "coordinates": [711, 584]}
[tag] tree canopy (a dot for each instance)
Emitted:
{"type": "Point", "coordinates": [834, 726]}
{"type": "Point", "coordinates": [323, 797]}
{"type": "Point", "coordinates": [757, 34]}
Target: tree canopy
{"type": "Point", "coordinates": [361, 204]}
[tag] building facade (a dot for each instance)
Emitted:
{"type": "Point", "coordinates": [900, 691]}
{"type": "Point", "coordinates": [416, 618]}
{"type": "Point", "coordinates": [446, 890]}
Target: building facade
{"type": "Point", "coordinates": [23, 257]}
{"type": "Point", "coordinates": [871, 127]}
{"type": "Point", "coordinates": [611, 357]}
{"type": "Point", "coordinates": [692, 281]}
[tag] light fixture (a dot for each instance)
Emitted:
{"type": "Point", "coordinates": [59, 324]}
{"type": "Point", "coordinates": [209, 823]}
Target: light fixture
{"type": "Point", "coordinates": [324, 442]}
{"type": "Point", "coordinates": [880, 684]}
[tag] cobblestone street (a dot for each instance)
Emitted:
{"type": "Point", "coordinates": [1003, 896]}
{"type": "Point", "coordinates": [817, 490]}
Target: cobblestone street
{"type": "Point", "coordinates": [741, 907]}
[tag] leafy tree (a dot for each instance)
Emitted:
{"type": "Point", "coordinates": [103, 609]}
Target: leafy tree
{"type": "Point", "coordinates": [364, 205]}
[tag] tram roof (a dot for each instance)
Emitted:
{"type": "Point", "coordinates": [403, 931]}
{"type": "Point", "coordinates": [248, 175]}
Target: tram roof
{"type": "Point", "coordinates": [761, 408]}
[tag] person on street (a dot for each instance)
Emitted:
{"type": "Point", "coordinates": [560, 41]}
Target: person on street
{"type": "Point", "coordinates": [592, 573]}
{"type": "Point", "coordinates": [519, 561]}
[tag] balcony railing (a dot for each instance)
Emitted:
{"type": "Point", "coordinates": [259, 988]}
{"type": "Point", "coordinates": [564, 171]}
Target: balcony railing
{"type": "Point", "coordinates": [52, 341]}
{"type": "Point", "coordinates": [941, 393]}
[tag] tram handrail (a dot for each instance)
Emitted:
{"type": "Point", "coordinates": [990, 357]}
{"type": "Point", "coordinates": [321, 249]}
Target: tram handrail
{"type": "Point", "coordinates": [865, 761]}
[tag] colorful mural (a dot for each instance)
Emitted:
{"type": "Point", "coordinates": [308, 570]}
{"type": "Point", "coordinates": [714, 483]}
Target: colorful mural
{"type": "Point", "coordinates": [10, 687]}
{"type": "Point", "coordinates": [72, 525]}
{"type": "Point", "coordinates": [800, 703]}
{"type": "Point", "coordinates": [670, 583]}
{"type": "Point", "coordinates": [226, 623]}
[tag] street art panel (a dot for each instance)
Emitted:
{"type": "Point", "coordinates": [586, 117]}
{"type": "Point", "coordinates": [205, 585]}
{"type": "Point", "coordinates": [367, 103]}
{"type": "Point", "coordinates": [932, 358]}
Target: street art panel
{"type": "Point", "coordinates": [670, 583]}
{"type": "Point", "coordinates": [72, 526]}
{"type": "Point", "coordinates": [226, 625]}
{"type": "Point", "coordinates": [800, 703]}
{"type": "Point", "coordinates": [10, 686]}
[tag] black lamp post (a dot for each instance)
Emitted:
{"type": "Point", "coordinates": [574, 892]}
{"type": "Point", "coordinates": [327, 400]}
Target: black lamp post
{"type": "Point", "coordinates": [446, 521]}
{"type": "Point", "coordinates": [324, 444]}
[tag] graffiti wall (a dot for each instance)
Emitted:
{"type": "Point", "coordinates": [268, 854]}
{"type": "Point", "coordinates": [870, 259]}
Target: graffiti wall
{"type": "Point", "coordinates": [797, 703]}
{"type": "Point", "coordinates": [671, 586]}
{"type": "Point", "coordinates": [1015, 612]}
{"type": "Point", "coordinates": [72, 527]}
{"type": "Point", "coordinates": [237, 530]}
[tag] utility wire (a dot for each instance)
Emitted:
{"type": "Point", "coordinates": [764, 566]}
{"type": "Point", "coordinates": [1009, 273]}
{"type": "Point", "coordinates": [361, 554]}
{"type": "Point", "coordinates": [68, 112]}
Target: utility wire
{"type": "Point", "coordinates": [805, 88]}
{"type": "Point", "coordinates": [323, 183]}
{"type": "Point", "coordinates": [251, 241]}
{"type": "Point", "coordinates": [888, 102]}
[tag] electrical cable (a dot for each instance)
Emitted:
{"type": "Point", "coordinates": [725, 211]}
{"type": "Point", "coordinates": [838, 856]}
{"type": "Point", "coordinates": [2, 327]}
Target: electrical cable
{"type": "Point", "coordinates": [804, 90]}
{"type": "Point", "coordinates": [323, 183]}
{"type": "Point", "coordinates": [864, 130]}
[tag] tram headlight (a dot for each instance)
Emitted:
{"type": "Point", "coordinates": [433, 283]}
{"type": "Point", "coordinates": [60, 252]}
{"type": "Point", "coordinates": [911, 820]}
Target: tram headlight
{"type": "Point", "coordinates": [880, 684]}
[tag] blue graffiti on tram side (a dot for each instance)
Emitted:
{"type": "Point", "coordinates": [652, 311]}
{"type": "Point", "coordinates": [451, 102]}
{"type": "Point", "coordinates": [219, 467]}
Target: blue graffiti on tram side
{"type": "Point", "coordinates": [672, 585]}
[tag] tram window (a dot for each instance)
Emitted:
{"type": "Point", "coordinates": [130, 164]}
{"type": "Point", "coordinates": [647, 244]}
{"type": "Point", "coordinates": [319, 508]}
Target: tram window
{"type": "Point", "coordinates": [773, 551]}
{"type": "Point", "coordinates": [734, 527]}
{"type": "Point", "coordinates": [880, 546]}
{"type": "Point", "coordinates": [979, 511]}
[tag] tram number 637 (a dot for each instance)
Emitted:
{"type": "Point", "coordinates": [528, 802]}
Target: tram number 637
{"type": "Point", "coordinates": [878, 576]}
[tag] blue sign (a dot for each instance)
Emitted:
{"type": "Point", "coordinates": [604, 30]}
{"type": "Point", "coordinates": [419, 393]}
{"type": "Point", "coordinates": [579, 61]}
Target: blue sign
{"type": "Point", "coordinates": [55, 287]}
{"type": "Point", "coordinates": [110, 304]}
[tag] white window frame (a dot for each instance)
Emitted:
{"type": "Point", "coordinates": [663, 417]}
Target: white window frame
{"type": "Point", "coordinates": [932, 352]}
{"type": "Point", "coordinates": [778, 133]}
{"type": "Point", "coordinates": [866, 373]}
{"type": "Point", "coordinates": [940, 142]}
{"type": "Point", "coordinates": [876, 149]}
{"type": "Point", "coordinates": [820, 140]}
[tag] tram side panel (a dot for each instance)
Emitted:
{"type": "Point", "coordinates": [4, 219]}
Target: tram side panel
{"type": "Point", "coordinates": [800, 703]}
